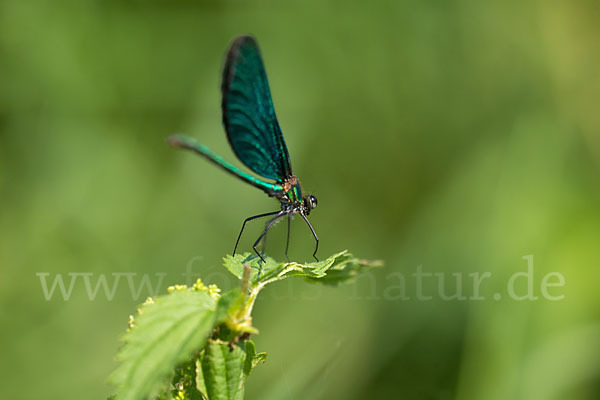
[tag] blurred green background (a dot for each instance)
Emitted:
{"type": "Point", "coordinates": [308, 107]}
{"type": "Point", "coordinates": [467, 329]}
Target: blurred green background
{"type": "Point", "coordinates": [456, 135]}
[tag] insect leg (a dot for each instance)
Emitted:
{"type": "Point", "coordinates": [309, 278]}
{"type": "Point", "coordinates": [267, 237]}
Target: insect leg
{"type": "Point", "coordinates": [287, 241]}
{"type": "Point", "coordinates": [267, 227]}
{"type": "Point", "coordinates": [244, 225]}
{"type": "Point", "coordinates": [264, 242]}
{"type": "Point", "coordinates": [314, 234]}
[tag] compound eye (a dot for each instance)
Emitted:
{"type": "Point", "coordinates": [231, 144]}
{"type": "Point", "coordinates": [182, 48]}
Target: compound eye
{"type": "Point", "coordinates": [313, 201]}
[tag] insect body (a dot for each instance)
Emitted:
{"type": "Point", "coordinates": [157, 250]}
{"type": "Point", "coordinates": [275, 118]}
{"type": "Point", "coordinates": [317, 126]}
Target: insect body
{"type": "Point", "coordinates": [256, 139]}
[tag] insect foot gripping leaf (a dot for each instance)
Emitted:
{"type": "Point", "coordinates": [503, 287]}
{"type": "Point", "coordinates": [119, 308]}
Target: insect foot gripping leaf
{"type": "Point", "coordinates": [340, 267]}
{"type": "Point", "coordinates": [193, 343]}
{"type": "Point", "coordinates": [255, 275]}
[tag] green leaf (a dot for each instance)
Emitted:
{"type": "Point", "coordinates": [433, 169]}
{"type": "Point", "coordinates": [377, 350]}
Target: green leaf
{"type": "Point", "coordinates": [165, 334]}
{"type": "Point", "coordinates": [200, 383]}
{"type": "Point", "coordinates": [340, 267]}
{"type": "Point", "coordinates": [235, 264]}
{"type": "Point", "coordinates": [222, 371]}
{"type": "Point", "coordinates": [171, 334]}
{"type": "Point", "coordinates": [252, 358]}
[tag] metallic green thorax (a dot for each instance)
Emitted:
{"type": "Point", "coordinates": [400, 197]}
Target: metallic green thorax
{"type": "Point", "coordinates": [294, 194]}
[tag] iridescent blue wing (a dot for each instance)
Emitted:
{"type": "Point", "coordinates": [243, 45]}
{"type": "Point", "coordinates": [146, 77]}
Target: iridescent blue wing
{"type": "Point", "coordinates": [248, 113]}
